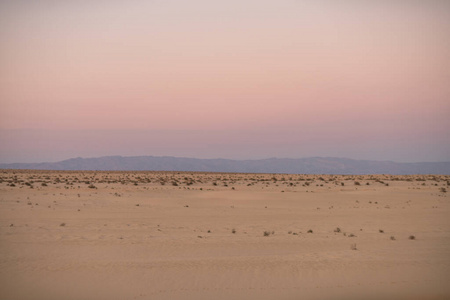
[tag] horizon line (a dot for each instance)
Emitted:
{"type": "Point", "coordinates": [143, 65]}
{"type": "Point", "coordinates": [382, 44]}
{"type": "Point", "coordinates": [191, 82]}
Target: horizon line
{"type": "Point", "coordinates": [221, 158]}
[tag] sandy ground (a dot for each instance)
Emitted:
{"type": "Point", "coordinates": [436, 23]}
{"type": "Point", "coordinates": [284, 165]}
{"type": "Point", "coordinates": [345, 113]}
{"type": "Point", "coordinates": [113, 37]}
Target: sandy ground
{"type": "Point", "coordinates": [170, 235]}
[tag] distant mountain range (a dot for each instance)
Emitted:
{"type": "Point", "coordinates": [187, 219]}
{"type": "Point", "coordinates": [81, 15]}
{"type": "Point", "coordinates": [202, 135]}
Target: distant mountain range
{"type": "Point", "coordinates": [312, 165]}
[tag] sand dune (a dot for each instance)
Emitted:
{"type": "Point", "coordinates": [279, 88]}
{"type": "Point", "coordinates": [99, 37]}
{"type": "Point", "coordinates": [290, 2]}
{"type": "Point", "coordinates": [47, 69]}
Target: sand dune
{"type": "Point", "coordinates": [184, 235]}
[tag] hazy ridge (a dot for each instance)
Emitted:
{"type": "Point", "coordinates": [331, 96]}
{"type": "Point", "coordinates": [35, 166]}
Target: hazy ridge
{"type": "Point", "coordinates": [312, 165]}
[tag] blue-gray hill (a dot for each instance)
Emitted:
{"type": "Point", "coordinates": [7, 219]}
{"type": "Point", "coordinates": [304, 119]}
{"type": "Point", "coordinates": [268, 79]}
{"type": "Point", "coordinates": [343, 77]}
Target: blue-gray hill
{"type": "Point", "coordinates": [313, 165]}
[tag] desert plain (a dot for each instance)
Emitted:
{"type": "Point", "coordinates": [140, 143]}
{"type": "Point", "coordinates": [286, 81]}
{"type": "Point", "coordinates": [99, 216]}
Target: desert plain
{"type": "Point", "coordinates": [192, 235]}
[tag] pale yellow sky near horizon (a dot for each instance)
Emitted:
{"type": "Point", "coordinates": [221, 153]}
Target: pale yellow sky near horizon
{"type": "Point", "coordinates": [362, 70]}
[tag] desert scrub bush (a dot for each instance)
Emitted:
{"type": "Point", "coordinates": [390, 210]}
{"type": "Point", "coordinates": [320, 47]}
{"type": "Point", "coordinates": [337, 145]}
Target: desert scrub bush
{"type": "Point", "coordinates": [310, 231]}
{"type": "Point", "coordinates": [91, 186]}
{"type": "Point", "coordinates": [392, 238]}
{"type": "Point", "coordinates": [443, 190]}
{"type": "Point", "coordinates": [266, 233]}
{"type": "Point", "coordinates": [233, 231]}
{"type": "Point", "coordinates": [337, 230]}
{"type": "Point", "coordinates": [380, 230]}
{"type": "Point", "coordinates": [357, 183]}
{"type": "Point", "coordinates": [353, 247]}
{"type": "Point", "coordinates": [412, 237]}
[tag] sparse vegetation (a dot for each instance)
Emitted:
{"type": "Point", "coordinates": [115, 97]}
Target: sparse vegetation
{"type": "Point", "coordinates": [63, 193]}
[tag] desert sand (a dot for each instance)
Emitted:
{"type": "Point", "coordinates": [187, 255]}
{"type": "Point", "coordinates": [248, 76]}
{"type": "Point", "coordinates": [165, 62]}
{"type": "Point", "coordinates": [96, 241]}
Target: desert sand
{"type": "Point", "coordinates": [187, 235]}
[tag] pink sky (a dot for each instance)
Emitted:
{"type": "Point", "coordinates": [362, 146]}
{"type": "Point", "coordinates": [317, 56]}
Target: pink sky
{"type": "Point", "coordinates": [231, 79]}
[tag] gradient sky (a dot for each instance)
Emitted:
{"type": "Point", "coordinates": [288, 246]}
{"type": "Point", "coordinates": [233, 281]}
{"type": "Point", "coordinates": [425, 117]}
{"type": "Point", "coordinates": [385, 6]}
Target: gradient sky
{"type": "Point", "coordinates": [230, 79]}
